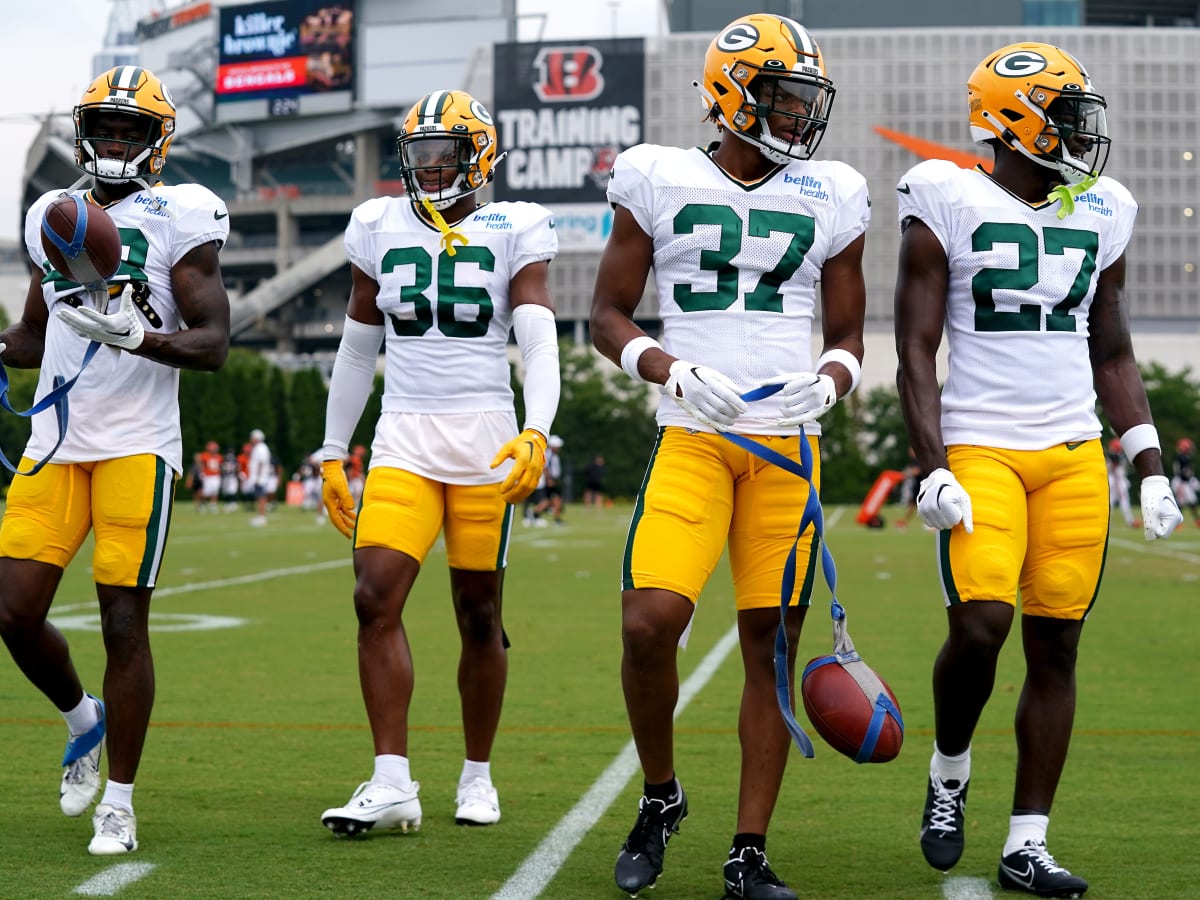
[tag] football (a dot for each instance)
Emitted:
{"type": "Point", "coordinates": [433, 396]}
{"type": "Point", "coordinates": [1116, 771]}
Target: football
{"type": "Point", "coordinates": [81, 240]}
{"type": "Point", "coordinates": [852, 708]}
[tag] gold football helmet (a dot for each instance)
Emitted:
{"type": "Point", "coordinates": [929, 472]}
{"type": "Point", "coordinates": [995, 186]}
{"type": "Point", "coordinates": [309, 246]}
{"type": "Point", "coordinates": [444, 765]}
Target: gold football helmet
{"type": "Point", "coordinates": [129, 91]}
{"type": "Point", "coordinates": [762, 67]}
{"type": "Point", "coordinates": [1037, 100]}
{"type": "Point", "coordinates": [447, 148]}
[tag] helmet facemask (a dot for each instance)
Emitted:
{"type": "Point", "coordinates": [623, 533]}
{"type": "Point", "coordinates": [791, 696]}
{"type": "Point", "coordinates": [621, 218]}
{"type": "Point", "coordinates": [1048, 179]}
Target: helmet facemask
{"type": "Point", "coordinates": [137, 158]}
{"type": "Point", "coordinates": [800, 106]}
{"type": "Point", "coordinates": [438, 167]}
{"type": "Point", "coordinates": [1075, 140]}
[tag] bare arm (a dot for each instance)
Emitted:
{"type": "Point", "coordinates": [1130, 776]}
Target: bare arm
{"type": "Point", "coordinates": [620, 282]}
{"type": "Point", "coordinates": [922, 280]}
{"type": "Point", "coordinates": [1118, 382]}
{"type": "Point", "coordinates": [531, 285]}
{"type": "Point", "coordinates": [364, 290]}
{"type": "Point", "coordinates": [25, 340]}
{"type": "Point", "coordinates": [200, 295]}
{"type": "Point", "coordinates": [843, 309]}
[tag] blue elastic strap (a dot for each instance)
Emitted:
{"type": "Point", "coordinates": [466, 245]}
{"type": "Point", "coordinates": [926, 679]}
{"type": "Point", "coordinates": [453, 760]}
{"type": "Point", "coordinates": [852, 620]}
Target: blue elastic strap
{"type": "Point", "coordinates": [56, 397]}
{"type": "Point", "coordinates": [72, 248]}
{"type": "Point", "coordinates": [812, 514]}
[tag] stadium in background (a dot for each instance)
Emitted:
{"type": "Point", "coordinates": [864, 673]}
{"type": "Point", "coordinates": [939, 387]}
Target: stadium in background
{"type": "Point", "coordinates": [289, 109]}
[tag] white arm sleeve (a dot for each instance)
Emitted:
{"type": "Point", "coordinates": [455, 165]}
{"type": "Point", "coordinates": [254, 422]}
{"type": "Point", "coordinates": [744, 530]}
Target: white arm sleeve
{"type": "Point", "coordinates": [537, 337]}
{"type": "Point", "coordinates": [350, 384]}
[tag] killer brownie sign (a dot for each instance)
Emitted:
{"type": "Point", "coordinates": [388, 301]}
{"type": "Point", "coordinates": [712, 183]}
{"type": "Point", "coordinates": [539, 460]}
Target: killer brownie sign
{"type": "Point", "coordinates": [564, 111]}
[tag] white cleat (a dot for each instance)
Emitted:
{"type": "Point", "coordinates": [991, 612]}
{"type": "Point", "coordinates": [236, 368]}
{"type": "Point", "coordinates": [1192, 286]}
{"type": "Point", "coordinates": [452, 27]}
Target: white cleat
{"type": "Point", "coordinates": [81, 768]}
{"type": "Point", "coordinates": [478, 803]}
{"type": "Point", "coordinates": [374, 804]}
{"type": "Point", "coordinates": [116, 831]}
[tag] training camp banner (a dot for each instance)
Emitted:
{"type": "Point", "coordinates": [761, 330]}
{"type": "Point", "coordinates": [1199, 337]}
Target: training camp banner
{"type": "Point", "coordinates": [564, 110]}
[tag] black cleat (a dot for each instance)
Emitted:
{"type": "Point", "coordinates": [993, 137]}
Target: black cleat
{"type": "Point", "coordinates": [640, 861]}
{"type": "Point", "coordinates": [1033, 870]}
{"type": "Point", "coordinates": [749, 877]}
{"type": "Point", "coordinates": [942, 822]}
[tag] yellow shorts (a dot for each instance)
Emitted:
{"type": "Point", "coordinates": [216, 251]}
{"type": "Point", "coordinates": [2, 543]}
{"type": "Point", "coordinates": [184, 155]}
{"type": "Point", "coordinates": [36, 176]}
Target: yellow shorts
{"type": "Point", "coordinates": [126, 501]}
{"type": "Point", "coordinates": [405, 511]}
{"type": "Point", "coordinates": [1041, 526]}
{"type": "Point", "coordinates": [702, 491]}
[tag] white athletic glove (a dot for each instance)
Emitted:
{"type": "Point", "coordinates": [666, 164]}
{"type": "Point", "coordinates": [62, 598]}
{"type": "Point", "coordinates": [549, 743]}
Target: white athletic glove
{"type": "Point", "coordinates": [806, 396]}
{"type": "Point", "coordinates": [121, 329]}
{"type": "Point", "coordinates": [1160, 512]}
{"type": "Point", "coordinates": [705, 394]}
{"type": "Point", "coordinates": [942, 503]}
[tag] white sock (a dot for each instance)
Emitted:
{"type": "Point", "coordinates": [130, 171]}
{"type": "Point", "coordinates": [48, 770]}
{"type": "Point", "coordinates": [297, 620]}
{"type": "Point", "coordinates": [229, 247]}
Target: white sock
{"type": "Point", "coordinates": [117, 794]}
{"type": "Point", "coordinates": [472, 770]}
{"type": "Point", "coordinates": [393, 770]}
{"type": "Point", "coordinates": [951, 768]}
{"type": "Point", "coordinates": [1022, 829]}
{"type": "Point", "coordinates": [83, 717]}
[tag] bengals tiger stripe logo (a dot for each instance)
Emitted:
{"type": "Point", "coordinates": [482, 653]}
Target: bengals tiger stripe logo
{"type": "Point", "coordinates": [568, 74]}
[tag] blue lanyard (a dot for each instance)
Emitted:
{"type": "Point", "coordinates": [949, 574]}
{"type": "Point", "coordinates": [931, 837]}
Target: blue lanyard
{"type": "Point", "coordinates": [56, 397]}
{"type": "Point", "coordinates": [844, 651]}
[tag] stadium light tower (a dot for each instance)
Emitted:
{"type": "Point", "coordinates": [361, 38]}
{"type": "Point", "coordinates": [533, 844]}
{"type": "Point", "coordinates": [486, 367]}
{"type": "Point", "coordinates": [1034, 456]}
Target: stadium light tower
{"type": "Point", "coordinates": [120, 37]}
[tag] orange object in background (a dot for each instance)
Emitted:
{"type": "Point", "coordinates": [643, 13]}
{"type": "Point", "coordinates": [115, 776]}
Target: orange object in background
{"type": "Point", "coordinates": [868, 513]}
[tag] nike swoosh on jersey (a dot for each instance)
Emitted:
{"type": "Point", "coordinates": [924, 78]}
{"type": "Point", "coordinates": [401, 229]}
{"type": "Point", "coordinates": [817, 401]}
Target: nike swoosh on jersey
{"type": "Point", "coordinates": [931, 150]}
{"type": "Point", "coordinates": [219, 215]}
{"type": "Point", "coordinates": [1075, 445]}
{"type": "Point", "coordinates": [904, 189]}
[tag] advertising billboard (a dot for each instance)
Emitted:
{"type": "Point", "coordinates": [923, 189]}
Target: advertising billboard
{"type": "Point", "coordinates": [564, 110]}
{"type": "Point", "coordinates": [284, 58]}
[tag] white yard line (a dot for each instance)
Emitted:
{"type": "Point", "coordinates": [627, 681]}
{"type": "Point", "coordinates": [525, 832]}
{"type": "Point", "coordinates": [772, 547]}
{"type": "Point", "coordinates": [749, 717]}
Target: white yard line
{"type": "Point", "coordinates": [112, 879]}
{"type": "Point", "coordinates": [961, 888]}
{"type": "Point", "coordinates": [540, 867]}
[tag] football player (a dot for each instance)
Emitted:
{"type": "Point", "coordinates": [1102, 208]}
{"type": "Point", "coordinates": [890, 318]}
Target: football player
{"type": "Point", "coordinates": [440, 280]}
{"type": "Point", "coordinates": [1024, 268]}
{"type": "Point", "coordinates": [165, 309]}
{"type": "Point", "coordinates": [737, 234]}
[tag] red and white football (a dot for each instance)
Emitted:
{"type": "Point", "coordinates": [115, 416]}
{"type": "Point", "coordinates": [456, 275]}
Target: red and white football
{"type": "Point", "coordinates": [852, 709]}
{"type": "Point", "coordinates": [81, 240]}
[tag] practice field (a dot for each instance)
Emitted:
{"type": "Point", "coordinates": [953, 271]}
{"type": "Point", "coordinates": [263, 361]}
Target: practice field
{"type": "Point", "coordinates": [259, 727]}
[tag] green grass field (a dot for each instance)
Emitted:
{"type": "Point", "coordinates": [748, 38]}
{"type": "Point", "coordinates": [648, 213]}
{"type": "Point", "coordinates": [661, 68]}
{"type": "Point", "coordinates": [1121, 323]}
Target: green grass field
{"type": "Point", "coordinates": [260, 727]}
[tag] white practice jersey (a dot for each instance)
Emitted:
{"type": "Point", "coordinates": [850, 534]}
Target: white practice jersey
{"type": "Point", "coordinates": [447, 318]}
{"type": "Point", "coordinates": [447, 401]}
{"type": "Point", "coordinates": [123, 404]}
{"type": "Point", "coordinates": [736, 265]}
{"type": "Point", "coordinates": [1021, 287]}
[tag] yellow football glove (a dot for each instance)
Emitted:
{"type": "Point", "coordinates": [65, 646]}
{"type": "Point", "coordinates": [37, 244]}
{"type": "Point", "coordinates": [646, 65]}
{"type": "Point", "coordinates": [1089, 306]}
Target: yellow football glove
{"type": "Point", "coordinates": [528, 453]}
{"type": "Point", "coordinates": [335, 492]}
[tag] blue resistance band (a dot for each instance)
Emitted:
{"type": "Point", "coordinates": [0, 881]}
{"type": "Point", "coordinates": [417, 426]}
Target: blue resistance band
{"type": "Point", "coordinates": [56, 397]}
{"type": "Point", "coordinates": [844, 651]}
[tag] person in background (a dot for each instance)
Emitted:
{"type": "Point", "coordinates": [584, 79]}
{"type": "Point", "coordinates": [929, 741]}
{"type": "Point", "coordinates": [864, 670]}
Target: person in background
{"type": "Point", "coordinates": [594, 474]}
{"type": "Point", "coordinates": [114, 474]}
{"type": "Point", "coordinates": [1184, 482]}
{"type": "Point", "coordinates": [1118, 482]}
{"type": "Point", "coordinates": [259, 473]}
{"type": "Point", "coordinates": [552, 489]}
{"type": "Point", "coordinates": [210, 477]}
{"type": "Point", "coordinates": [1023, 268]}
{"type": "Point", "coordinates": [737, 246]}
{"type": "Point", "coordinates": [447, 457]}
{"type": "Point", "coordinates": [231, 481]}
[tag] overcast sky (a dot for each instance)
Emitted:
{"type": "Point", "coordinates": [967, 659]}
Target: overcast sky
{"type": "Point", "coordinates": [49, 57]}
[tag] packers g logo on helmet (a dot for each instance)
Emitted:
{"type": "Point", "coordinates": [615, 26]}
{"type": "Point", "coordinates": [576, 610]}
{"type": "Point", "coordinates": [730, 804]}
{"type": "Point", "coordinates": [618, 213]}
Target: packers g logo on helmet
{"type": "Point", "coordinates": [447, 147]}
{"type": "Point", "coordinates": [1036, 99]}
{"type": "Point", "coordinates": [129, 91]}
{"type": "Point", "coordinates": [765, 81]}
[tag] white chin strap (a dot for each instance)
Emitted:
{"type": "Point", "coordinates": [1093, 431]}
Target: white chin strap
{"type": "Point", "coordinates": [773, 154]}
